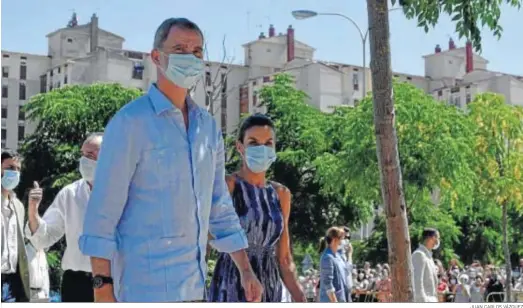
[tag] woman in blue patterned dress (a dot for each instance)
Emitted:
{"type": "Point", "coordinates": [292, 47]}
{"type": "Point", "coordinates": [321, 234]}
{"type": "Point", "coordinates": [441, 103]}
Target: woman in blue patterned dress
{"type": "Point", "coordinates": [263, 208]}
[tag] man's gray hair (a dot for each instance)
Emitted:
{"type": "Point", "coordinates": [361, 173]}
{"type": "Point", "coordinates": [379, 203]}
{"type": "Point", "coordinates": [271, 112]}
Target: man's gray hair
{"type": "Point", "coordinates": [93, 136]}
{"type": "Point", "coordinates": [163, 30]}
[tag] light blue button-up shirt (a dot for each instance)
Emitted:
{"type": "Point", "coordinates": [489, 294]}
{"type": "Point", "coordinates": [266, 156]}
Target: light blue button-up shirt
{"type": "Point", "coordinates": [159, 189]}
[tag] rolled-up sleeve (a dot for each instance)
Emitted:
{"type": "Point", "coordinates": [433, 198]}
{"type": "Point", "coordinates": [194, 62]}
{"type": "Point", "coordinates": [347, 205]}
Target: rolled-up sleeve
{"type": "Point", "coordinates": [327, 274]}
{"type": "Point", "coordinates": [224, 224]}
{"type": "Point", "coordinates": [115, 168]}
{"type": "Point", "coordinates": [51, 227]}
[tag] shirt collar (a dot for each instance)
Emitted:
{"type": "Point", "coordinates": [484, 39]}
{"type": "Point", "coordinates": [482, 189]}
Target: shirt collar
{"type": "Point", "coordinates": [161, 103]}
{"type": "Point", "coordinates": [425, 250]}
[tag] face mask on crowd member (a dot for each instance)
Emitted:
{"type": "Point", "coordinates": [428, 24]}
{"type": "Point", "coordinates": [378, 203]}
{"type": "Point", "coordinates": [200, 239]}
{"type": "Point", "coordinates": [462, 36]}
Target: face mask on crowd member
{"type": "Point", "coordinates": [256, 143]}
{"type": "Point", "coordinates": [90, 151]}
{"type": "Point", "coordinates": [10, 170]}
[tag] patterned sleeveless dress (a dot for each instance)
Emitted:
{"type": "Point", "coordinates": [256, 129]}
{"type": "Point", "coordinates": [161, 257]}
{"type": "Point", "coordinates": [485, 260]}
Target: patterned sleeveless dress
{"type": "Point", "coordinates": [260, 216]}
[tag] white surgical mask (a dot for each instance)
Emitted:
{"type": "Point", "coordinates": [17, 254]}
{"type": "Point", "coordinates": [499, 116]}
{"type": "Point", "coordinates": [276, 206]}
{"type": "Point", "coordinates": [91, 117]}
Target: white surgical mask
{"type": "Point", "coordinates": [87, 168]}
{"type": "Point", "coordinates": [437, 245]}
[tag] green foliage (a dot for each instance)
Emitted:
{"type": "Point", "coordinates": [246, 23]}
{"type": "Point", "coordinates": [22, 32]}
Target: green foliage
{"type": "Point", "coordinates": [302, 135]}
{"type": "Point", "coordinates": [469, 16]}
{"type": "Point", "coordinates": [65, 117]}
{"type": "Point", "coordinates": [435, 145]}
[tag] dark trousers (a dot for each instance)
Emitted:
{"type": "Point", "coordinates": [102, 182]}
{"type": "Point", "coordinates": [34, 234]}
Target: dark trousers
{"type": "Point", "coordinates": [77, 287]}
{"type": "Point", "coordinates": [12, 289]}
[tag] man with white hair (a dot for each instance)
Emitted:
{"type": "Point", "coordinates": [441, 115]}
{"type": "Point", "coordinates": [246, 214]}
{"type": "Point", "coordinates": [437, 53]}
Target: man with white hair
{"type": "Point", "coordinates": [65, 216]}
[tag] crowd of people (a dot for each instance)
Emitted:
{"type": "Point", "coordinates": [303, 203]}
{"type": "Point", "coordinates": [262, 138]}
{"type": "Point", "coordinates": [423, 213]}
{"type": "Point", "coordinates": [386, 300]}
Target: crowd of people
{"type": "Point", "coordinates": [474, 283]}
{"type": "Point", "coordinates": [153, 198]}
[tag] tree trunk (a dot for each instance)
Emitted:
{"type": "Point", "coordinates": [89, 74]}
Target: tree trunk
{"type": "Point", "coordinates": [506, 250]}
{"type": "Point", "coordinates": [387, 151]}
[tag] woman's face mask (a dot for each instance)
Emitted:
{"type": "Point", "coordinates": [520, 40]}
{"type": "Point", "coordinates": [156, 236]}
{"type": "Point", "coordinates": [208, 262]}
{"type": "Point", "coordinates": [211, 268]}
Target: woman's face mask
{"type": "Point", "coordinates": [259, 157]}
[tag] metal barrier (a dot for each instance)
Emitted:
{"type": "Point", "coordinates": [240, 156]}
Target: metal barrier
{"type": "Point", "coordinates": [517, 296]}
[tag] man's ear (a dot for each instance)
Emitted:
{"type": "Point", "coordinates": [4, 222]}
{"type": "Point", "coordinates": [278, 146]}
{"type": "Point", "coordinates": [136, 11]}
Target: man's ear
{"type": "Point", "coordinates": [155, 57]}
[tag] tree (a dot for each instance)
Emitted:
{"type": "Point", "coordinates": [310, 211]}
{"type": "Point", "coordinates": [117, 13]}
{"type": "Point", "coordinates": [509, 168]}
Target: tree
{"type": "Point", "coordinates": [65, 116]}
{"type": "Point", "coordinates": [435, 144]}
{"type": "Point", "coordinates": [387, 152]}
{"type": "Point", "coordinates": [467, 14]}
{"type": "Point", "coordinates": [499, 148]}
{"type": "Point", "coordinates": [215, 81]}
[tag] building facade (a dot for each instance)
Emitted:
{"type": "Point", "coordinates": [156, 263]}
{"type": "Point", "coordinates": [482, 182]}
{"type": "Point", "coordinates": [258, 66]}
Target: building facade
{"type": "Point", "coordinates": [84, 54]}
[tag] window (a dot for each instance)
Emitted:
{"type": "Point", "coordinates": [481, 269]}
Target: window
{"type": "Point", "coordinates": [5, 72]}
{"type": "Point", "coordinates": [4, 134]}
{"type": "Point", "coordinates": [138, 71]}
{"type": "Point", "coordinates": [43, 83]}
{"type": "Point", "coordinates": [255, 99]}
{"type": "Point", "coordinates": [65, 79]}
{"type": "Point", "coordinates": [21, 132]}
{"type": "Point", "coordinates": [208, 78]}
{"type": "Point", "coordinates": [440, 93]}
{"type": "Point", "coordinates": [355, 81]}
{"type": "Point", "coordinates": [23, 71]}
{"type": "Point", "coordinates": [409, 78]}
{"type": "Point", "coordinates": [5, 56]}
{"type": "Point", "coordinates": [59, 70]}
{"type": "Point", "coordinates": [207, 98]}
{"type": "Point", "coordinates": [69, 40]}
{"type": "Point", "coordinates": [23, 57]}
{"type": "Point", "coordinates": [21, 92]}
{"type": "Point", "coordinates": [4, 92]}
{"type": "Point", "coordinates": [4, 112]}
{"type": "Point", "coordinates": [21, 114]}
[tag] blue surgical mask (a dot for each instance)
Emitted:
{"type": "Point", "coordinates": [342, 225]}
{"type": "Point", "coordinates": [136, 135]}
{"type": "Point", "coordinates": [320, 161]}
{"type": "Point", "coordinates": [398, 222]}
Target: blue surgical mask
{"type": "Point", "coordinates": [183, 69]}
{"type": "Point", "coordinates": [10, 179]}
{"type": "Point", "coordinates": [259, 158]}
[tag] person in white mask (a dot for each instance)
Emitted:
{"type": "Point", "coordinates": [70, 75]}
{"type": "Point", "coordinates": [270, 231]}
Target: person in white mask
{"type": "Point", "coordinates": [15, 270]}
{"type": "Point", "coordinates": [65, 216]}
{"type": "Point", "coordinates": [425, 270]}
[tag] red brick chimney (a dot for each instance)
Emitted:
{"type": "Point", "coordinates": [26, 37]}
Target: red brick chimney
{"type": "Point", "coordinates": [452, 45]}
{"type": "Point", "coordinates": [469, 57]}
{"type": "Point", "coordinates": [272, 31]}
{"type": "Point", "coordinates": [437, 49]}
{"type": "Point", "coordinates": [290, 44]}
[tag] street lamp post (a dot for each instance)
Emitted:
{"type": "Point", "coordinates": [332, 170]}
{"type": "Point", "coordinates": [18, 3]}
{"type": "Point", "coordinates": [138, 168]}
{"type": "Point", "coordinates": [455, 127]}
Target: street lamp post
{"type": "Point", "coordinates": [304, 14]}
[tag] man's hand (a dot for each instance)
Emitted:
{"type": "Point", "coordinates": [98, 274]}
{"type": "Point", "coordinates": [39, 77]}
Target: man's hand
{"type": "Point", "coordinates": [252, 286]}
{"type": "Point", "coordinates": [35, 196]}
{"type": "Point", "coordinates": [104, 295]}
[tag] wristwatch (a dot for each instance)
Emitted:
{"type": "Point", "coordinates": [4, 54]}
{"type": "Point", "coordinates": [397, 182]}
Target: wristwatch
{"type": "Point", "coordinates": [99, 281]}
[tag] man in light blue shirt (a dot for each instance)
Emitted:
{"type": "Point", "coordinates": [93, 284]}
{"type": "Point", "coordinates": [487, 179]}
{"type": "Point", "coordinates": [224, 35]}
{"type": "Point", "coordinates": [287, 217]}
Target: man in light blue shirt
{"type": "Point", "coordinates": [160, 188]}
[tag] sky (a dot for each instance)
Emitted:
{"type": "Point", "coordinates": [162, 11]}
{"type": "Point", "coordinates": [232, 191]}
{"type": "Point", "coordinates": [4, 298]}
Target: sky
{"type": "Point", "coordinates": [25, 24]}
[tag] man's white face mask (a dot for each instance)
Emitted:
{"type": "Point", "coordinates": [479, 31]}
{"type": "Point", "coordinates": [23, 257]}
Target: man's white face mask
{"type": "Point", "coordinates": [87, 168]}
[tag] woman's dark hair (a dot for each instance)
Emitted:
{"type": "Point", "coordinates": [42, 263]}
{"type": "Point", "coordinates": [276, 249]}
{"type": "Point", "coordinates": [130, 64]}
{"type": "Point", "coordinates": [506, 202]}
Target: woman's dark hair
{"type": "Point", "coordinates": [256, 119]}
{"type": "Point", "coordinates": [332, 233]}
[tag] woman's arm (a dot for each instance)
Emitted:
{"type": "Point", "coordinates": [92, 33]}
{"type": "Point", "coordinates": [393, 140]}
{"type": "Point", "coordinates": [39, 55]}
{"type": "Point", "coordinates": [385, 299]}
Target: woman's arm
{"type": "Point", "coordinates": [287, 266]}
